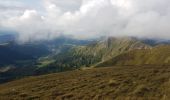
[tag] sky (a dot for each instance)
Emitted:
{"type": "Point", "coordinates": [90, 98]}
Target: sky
{"type": "Point", "coordinates": [83, 19]}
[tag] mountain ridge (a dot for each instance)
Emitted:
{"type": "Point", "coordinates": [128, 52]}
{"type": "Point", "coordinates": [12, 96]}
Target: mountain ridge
{"type": "Point", "coordinates": [72, 55]}
{"type": "Point", "coordinates": [158, 55]}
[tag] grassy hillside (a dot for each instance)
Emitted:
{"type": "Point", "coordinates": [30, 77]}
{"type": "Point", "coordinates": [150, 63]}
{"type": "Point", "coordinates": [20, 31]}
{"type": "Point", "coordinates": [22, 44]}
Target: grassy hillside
{"type": "Point", "coordinates": [159, 55]}
{"type": "Point", "coordinates": [113, 83]}
{"type": "Point", "coordinates": [89, 55]}
{"type": "Point", "coordinates": [110, 47]}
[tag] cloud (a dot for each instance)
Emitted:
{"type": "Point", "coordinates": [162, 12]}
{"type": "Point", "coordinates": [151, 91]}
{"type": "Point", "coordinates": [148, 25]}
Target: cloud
{"type": "Point", "coordinates": [30, 26]}
{"type": "Point", "coordinates": [93, 18]}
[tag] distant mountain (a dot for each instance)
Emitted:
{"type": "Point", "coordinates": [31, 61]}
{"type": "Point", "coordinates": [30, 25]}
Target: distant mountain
{"type": "Point", "coordinates": [92, 54]}
{"type": "Point", "coordinates": [157, 56]}
{"type": "Point", "coordinates": [111, 47]}
{"type": "Point", "coordinates": [7, 35]}
{"type": "Point", "coordinates": [11, 53]}
{"type": "Point", "coordinates": [155, 42]}
{"type": "Point", "coordinates": [34, 50]}
{"type": "Point", "coordinates": [4, 38]}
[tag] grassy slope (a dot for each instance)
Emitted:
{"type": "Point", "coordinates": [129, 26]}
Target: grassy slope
{"type": "Point", "coordinates": [118, 83]}
{"type": "Point", "coordinates": [110, 47]}
{"type": "Point", "coordinates": [90, 55]}
{"type": "Point", "coordinates": [159, 55]}
{"type": "Point", "coordinates": [97, 52]}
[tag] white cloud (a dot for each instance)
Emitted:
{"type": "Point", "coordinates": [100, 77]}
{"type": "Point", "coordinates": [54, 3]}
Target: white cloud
{"type": "Point", "coordinates": [90, 18]}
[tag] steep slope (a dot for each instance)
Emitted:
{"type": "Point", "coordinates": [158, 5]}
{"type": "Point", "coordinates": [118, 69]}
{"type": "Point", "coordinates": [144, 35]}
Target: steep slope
{"type": "Point", "coordinates": [94, 53]}
{"type": "Point", "coordinates": [112, 83]}
{"type": "Point", "coordinates": [159, 55]}
{"type": "Point", "coordinates": [111, 47]}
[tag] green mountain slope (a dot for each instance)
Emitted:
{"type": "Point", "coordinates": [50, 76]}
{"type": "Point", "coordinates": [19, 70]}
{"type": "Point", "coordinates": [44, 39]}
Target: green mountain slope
{"type": "Point", "coordinates": [94, 53]}
{"type": "Point", "coordinates": [159, 55]}
{"type": "Point", "coordinates": [110, 47]}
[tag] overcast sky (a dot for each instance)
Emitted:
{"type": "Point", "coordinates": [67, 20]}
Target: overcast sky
{"type": "Point", "coordinates": [46, 19]}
